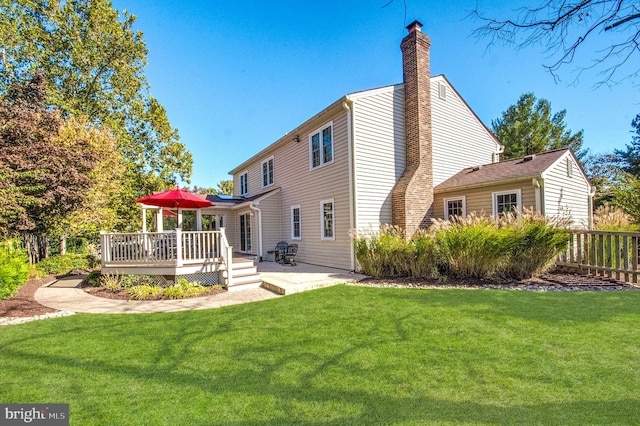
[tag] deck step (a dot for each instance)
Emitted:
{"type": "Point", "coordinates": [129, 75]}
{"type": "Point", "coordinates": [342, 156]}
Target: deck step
{"type": "Point", "coordinates": [245, 275]}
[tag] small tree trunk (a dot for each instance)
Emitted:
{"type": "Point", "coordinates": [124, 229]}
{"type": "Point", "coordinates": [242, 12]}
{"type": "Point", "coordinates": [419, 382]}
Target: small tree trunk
{"type": "Point", "coordinates": [63, 244]}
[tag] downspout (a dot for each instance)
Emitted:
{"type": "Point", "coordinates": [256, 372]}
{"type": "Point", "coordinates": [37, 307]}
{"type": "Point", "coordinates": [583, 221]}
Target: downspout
{"type": "Point", "coordinates": [253, 207]}
{"type": "Point", "coordinates": [348, 105]}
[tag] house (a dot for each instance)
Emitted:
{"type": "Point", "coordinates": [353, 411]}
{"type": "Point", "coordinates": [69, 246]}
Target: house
{"type": "Point", "coordinates": [552, 183]}
{"type": "Point", "coordinates": [401, 154]}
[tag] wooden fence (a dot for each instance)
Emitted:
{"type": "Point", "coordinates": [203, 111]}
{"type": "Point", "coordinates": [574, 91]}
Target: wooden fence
{"type": "Point", "coordinates": [608, 254]}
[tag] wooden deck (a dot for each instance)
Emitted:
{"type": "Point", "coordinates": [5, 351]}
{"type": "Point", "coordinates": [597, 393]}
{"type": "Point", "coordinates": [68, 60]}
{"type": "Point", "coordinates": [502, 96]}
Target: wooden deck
{"type": "Point", "coordinates": [170, 253]}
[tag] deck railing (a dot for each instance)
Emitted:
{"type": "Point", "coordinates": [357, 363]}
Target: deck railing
{"type": "Point", "coordinates": [603, 253]}
{"type": "Point", "coordinates": [171, 247]}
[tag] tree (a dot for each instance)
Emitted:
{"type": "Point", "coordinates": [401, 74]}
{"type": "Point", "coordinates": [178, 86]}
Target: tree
{"type": "Point", "coordinates": [603, 171]}
{"type": "Point", "coordinates": [44, 179]}
{"type": "Point", "coordinates": [528, 128]}
{"type": "Point", "coordinates": [630, 158]}
{"type": "Point", "coordinates": [607, 29]}
{"type": "Point", "coordinates": [99, 205]}
{"type": "Point", "coordinates": [626, 197]}
{"type": "Point", "coordinates": [225, 187]}
{"type": "Point", "coordinates": [94, 62]}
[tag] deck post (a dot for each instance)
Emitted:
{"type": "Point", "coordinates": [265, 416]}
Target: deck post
{"type": "Point", "coordinates": [104, 246]}
{"type": "Point", "coordinates": [179, 247]}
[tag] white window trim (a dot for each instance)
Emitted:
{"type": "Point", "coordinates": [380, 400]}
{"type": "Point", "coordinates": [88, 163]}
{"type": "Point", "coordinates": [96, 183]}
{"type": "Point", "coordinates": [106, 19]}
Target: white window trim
{"type": "Point", "coordinates": [494, 196]}
{"type": "Point", "coordinates": [333, 222]}
{"type": "Point", "coordinates": [245, 173]}
{"type": "Point", "coordinates": [462, 198]}
{"type": "Point", "coordinates": [297, 206]}
{"type": "Point", "coordinates": [273, 172]}
{"type": "Point", "coordinates": [333, 145]}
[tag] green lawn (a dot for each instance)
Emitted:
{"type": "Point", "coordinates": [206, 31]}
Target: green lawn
{"type": "Point", "coordinates": [341, 355]}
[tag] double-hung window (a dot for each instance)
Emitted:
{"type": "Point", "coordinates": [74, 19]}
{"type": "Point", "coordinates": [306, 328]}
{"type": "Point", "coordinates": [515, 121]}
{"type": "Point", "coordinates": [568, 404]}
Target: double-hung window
{"type": "Point", "coordinates": [267, 172]}
{"type": "Point", "coordinates": [506, 202]}
{"type": "Point", "coordinates": [327, 217]}
{"type": "Point", "coordinates": [321, 146]}
{"type": "Point", "coordinates": [296, 231]}
{"type": "Point", "coordinates": [454, 207]}
{"type": "Point", "coordinates": [244, 183]}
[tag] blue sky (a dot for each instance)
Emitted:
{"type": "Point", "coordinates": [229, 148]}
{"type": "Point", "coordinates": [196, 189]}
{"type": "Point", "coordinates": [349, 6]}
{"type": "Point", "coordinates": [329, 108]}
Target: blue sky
{"type": "Point", "coordinates": [235, 76]}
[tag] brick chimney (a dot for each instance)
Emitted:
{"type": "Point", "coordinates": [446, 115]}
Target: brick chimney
{"type": "Point", "coordinates": [412, 196]}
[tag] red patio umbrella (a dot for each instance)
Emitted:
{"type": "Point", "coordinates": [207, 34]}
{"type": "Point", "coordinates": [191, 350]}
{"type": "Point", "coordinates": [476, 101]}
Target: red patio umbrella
{"type": "Point", "coordinates": [175, 198]}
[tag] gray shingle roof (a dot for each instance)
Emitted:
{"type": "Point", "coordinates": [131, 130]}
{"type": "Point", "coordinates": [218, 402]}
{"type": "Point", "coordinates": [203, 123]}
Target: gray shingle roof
{"type": "Point", "coordinates": [503, 171]}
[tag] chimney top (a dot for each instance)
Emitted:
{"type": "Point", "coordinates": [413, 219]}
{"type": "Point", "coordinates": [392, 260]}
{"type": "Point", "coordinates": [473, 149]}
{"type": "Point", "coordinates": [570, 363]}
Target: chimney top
{"type": "Point", "coordinates": [414, 26]}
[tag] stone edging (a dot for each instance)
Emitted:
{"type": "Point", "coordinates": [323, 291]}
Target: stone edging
{"type": "Point", "coordinates": [21, 320]}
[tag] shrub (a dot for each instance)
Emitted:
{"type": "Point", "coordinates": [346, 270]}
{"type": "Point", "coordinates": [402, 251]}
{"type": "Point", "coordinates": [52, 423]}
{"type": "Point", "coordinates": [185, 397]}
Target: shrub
{"type": "Point", "coordinates": [93, 279]}
{"type": "Point", "coordinates": [14, 268]}
{"type": "Point", "coordinates": [474, 247]}
{"type": "Point", "coordinates": [184, 289]}
{"type": "Point", "coordinates": [61, 264]}
{"type": "Point", "coordinates": [134, 280]}
{"type": "Point", "coordinates": [144, 291]}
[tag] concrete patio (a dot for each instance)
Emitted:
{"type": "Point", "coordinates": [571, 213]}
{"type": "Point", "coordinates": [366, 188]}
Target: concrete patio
{"type": "Point", "coordinates": [65, 294]}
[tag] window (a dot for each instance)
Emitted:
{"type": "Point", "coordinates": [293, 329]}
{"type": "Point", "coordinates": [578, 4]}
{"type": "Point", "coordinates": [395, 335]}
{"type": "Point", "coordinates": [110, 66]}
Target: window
{"type": "Point", "coordinates": [296, 233]}
{"type": "Point", "coordinates": [244, 183]}
{"type": "Point", "coordinates": [454, 207]}
{"type": "Point", "coordinates": [328, 220]}
{"type": "Point", "coordinates": [267, 172]}
{"type": "Point", "coordinates": [506, 201]}
{"type": "Point", "coordinates": [321, 146]}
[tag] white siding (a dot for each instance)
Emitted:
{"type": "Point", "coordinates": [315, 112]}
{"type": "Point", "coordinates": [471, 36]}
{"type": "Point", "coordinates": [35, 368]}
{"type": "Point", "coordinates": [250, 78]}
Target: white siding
{"type": "Point", "coordinates": [379, 154]}
{"type": "Point", "coordinates": [566, 196]}
{"type": "Point", "coordinates": [459, 138]}
{"type": "Point", "coordinates": [301, 186]}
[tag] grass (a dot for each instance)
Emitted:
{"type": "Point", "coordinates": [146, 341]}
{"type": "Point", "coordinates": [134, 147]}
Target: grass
{"type": "Point", "coordinates": [341, 355]}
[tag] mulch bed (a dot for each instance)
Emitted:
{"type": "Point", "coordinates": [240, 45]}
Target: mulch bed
{"type": "Point", "coordinates": [23, 304]}
{"type": "Point", "coordinates": [553, 281]}
{"type": "Point", "coordinates": [122, 295]}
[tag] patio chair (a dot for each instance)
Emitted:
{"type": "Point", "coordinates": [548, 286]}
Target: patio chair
{"type": "Point", "coordinates": [289, 257]}
{"type": "Point", "coordinates": [281, 249]}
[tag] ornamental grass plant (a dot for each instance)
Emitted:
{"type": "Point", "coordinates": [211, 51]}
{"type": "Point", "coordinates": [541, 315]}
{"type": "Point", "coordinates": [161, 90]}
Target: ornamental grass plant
{"type": "Point", "coordinates": [516, 246]}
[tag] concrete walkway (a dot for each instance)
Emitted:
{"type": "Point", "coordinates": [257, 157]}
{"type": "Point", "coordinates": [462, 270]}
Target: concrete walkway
{"type": "Point", "coordinates": [66, 294]}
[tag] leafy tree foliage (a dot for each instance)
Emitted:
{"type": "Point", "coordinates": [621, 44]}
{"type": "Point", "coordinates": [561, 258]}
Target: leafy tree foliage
{"type": "Point", "coordinates": [626, 196]}
{"type": "Point", "coordinates": [94, 62]}
{"type": "Point", "coordinates": [43, 179]}
{"type": "Point", "coordinates": [225, 187]}
{"type": "Point", "coordinates": [528, 128]}
{"type": "Point", "coordinates": [603, 171]}
{"type": "Point", "coordinates": [630, 158]}
{"type": "Point", "coordinates": [608, 31]}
